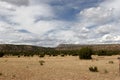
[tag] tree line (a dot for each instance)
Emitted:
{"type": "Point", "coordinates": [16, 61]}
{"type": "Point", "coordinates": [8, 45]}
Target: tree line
{"type": "Point", "coordinates": [84, 52]}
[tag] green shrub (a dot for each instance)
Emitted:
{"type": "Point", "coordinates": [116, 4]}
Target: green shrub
{"type": "Point", "coordinates": [6, 60]}
{"type": "Point", "coordinates": [42, 55]}
{"type": "Point", "coordinates": [74, 54]}
{"type": "Point", "coordinates": [1, 54]}
{"type": "Point", "coordinates": [85, 53]}
{"type": "Point", "coordinates": [54, 55]}
{"type": "Point", "coordinates": [62, 55]}
{"type": "Point", "coordinates": [27, 66]}
{"type": "Point", "coordinates": [18, 56]}
{"type": "Point", "coordinates": [105, 71]}
{"type": "Point", "coordinates": [105, 53]}
{"type": "Point", "coordinates": [41, 62]}
{"type": "Point", "coordinates": [110, 62]}
{"type": "Point", "coordinates": [93, 69]}
{"type": "Point", "coordinates": [1, 74]}
{"type": "Point", "coordinates": [13, 75]}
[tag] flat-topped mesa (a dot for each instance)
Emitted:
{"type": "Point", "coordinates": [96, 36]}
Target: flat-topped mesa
{"type": "Point", "coordinates": [95, 47]}
{"type": "Point", "coordinates": [18, 48]}
{"type": "Point", "coordinates": [30, 48]}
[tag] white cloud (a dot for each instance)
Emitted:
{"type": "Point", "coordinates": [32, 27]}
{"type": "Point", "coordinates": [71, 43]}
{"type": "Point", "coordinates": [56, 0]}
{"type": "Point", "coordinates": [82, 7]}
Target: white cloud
{"type": "Point", "coordinates": [105, 29]}
{"type": "Point", "coordinates": [10, 34]}
{"type": "Point", "coordinates": [26, 16]}
{"type": "Point", "coordinates": [97, 15]}
{"type": "Point", "coordinates": [110, 38]}
{"type": "Point", "coordinates": [17, 2]}
{"type": "Point", "coordinates": [6, 8]}
{"type": "Point", "coordinates": [37, 23]}
{"type": "Point", "coordinates": [101, 21]}
{"type": "Point", "coordinates": [111, 4]}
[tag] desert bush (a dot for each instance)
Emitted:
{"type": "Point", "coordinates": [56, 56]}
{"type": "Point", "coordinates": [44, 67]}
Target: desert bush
{"type": "Point", "coordinates": [105, 53]}
{"type": "Point", "coordinates": [41, 62]}
{"type": "Point", "coordinates": [93, 69]}
{"type": "Point", "coordinates": [42, 55]}
{"type": "Point", "coordinates": [6, 60]}
{"type": "Point", "coordinates": [85, 53]}
{"type": "Point", "coordinates": [55, 55]}
{"type": "Point", "coordinates": [1, 54]}
{"type": "Point", "coordinates": [110, 62]}
{"type": "Point", "coordinates": [102, 53]}
{"type": "Point", "coordinates": [18, 56]}
{"type": "Point", "coordinates": [62, 55]}
{"type": "Point", "coordinates": [105, 71]}
{"type": "Point", "coordinates": [0, 74]}
{"type": "Point", "coordinates": [13, 75]}
{"type": "Point", "coordinates": [27, 66]}
{"type": "Point", "coordinates": [74, 54]}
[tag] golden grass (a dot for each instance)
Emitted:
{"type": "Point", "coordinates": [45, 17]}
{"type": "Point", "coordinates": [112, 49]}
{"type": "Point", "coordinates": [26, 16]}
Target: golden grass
{"type": "Point", "coordinates": [58, 68]}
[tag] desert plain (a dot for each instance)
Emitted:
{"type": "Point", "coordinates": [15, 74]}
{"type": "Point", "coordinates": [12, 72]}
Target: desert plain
{"type": "Point", "coordinates": [59, 68]}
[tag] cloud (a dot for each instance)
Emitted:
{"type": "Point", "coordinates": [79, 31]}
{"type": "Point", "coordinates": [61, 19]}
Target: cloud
{"type": "Point", "coordinates": [18, 2]}
{"type": "Point", "coordinates": [51, 22]}
{"type": "Point", "coordinates": [102, 22]}
{"type": "Point", "coordinates": [106, 29]}
{"type": "Point", "coordinates": [110, 38]}
{"type": "Point", "coordinates": [33, 18]}
{"type": "Point", "coordinates": [97, 15]}
{"type": "Point", "coordinates": [10, 34]}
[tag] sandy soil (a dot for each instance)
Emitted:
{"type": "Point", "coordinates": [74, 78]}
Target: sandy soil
{"type": "Point", "coordinates": [58, 68]}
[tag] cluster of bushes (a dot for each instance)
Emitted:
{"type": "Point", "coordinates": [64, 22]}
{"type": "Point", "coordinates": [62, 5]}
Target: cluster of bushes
{"type": "Point", "coordinates": [0, 74]}
{"type": "Point", "coordinates": [40, 53]}
{"type": "Point", "coordinates": [93, 69]}
{"type": "Point", "coordinates": [106, 53]}
{"type": "Point", "coordinates": [41, 62]}
{"type": "Point", "coordinates": [1, 54]}
{"type": "Point", "coordinates": [83, 53]}
{"type": "Point", "coordinates": [110, 62]}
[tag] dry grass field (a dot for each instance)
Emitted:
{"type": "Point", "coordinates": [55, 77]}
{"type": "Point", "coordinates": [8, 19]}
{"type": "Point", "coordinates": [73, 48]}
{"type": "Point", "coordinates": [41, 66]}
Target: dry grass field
{"type": "Point", "coordinates": [58, 68]}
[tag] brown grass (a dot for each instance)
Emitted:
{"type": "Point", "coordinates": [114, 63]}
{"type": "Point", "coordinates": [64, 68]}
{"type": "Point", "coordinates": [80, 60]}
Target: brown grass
{"type": "Point", "coordinates": [58, 68]}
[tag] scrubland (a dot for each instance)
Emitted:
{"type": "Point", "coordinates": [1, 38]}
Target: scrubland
{"type": "Point", "coordinates": [58, 68]}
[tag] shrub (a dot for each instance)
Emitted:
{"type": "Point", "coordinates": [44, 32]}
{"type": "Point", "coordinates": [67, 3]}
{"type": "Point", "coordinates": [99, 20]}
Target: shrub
{"type": "Point", "coordinates": [0, 74]}
{"type": "Point", "coordinates": [85, 53]}
{"type": "Point", "coordinates": [102, 53]}
{"type": "Point", "coordinates": [93, 69]}
{"type": "Point", "coordinates": [105, 71]}
{"type": "Point", "coordinates": [62, 55]}
{"type": "Point", "coordinates": [54, 55]}
{"type": "Point", "coordinates": [74, 54]}
{"type": "Point", "coordinates": [13, 75]}
{"type": "Point", "coordinates": [105, 53]}
{"type": "Point", "coordinates": [6, 60]}
{"type": "Point", "coordinates": [27, 67]}
{"type": "Point", "coordinates": [41, 62]}
{"type": "Point", "coordinates": [1, 54]}
{"type": "Point", "coordinates": [110, 62]}
{"type": "Point", "coordinates": [18, 56]}
{"type": "Point", "coordinates": [42, 55]}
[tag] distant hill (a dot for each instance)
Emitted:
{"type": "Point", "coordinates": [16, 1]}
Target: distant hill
{"type": "Point", "coordinates": [66, 49]}
{"type": "Point", "coordinates": [29, 49]}
{"type": "Point", "coordinates": [19, 48]}
{"type": "Point", "coordinates": [95, 47]}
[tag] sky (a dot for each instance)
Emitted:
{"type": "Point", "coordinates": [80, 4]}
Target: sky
{"type": "Point", "coordinates": [49, 23]}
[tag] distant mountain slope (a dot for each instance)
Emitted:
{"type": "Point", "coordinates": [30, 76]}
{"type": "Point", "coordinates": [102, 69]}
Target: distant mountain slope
{"type": "Point", "coordinates": [95, 47]}
{"type": "Point", "coordinates": [19, 48]}
{"type": "Point", "coordinates": [30, 48]}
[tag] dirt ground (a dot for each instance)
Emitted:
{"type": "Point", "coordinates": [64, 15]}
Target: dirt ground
{"type": "Point", "coordinates": [58, 68]}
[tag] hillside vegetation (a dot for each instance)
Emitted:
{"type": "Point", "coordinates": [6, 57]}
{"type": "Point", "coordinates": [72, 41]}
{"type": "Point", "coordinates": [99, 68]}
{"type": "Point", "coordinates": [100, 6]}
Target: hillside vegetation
{"type": "Point", "coordinates": [63, 50]}
{"type": "Point", "coordinates": [95, 47]}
